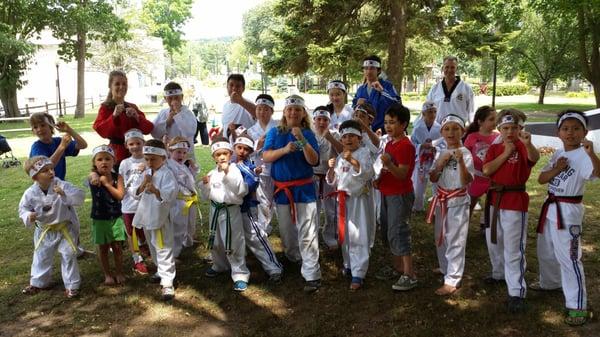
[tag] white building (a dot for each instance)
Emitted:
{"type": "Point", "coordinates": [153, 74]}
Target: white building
{"type": "Point", "coordinates": [41, 77]}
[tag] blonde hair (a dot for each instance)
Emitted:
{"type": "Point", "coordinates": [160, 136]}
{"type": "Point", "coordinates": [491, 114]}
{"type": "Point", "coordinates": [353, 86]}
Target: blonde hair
{"type": "Point", "coordinates": [109, 102]}
{"type": "Point", "coordinates": [42, 118]}
{"type": "Point", "coordinates": [179, 139]}
{"type": "Point", "coordinates": [31, 161]}
{"type": "Point", "coordinates": [517, 115]}
{"type": "Point", "coordinates": [305, 123]}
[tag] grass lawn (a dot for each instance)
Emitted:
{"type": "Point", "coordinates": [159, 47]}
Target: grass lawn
{"type": "Point", "coordinates": [543, 112]}
{"type": "Point", "coordinates": [209, 307]}
{"type": "Point", "coordinates": [22, 129]}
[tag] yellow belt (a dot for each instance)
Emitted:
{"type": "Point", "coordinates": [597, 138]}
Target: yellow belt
{"type": "Point", "coordinates": [134, 240]}
{"type": "Point", "coordinates": [189, 201]}
{"type": "Point", "coordinates": [57, 227]}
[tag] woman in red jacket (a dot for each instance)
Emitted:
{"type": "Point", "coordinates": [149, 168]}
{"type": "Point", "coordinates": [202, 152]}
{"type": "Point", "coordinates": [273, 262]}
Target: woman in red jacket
{"type": "Point", "coordinates": [116, 116]}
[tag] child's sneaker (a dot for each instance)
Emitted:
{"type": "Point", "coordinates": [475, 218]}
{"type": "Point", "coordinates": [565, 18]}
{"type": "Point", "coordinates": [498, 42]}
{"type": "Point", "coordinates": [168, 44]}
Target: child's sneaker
{"type": "Point", "coordinates": [357, 283]}
{"type": "Point", "coordinates": [275, 278]}
{"type": "Point", "coordinates": [240, 286]}
{"type": "Point", "coordinates": [71, 293]}
{"type": "Point", "coordinates": [210, 272]}
{"type": "Point", "coordinates": [578, 317]}
{"type": "Point", "coordinates": [155, 278]}
{"type": "Point", "coordinates": [516, 304]}
{"type": "Point", "coordinates": [405, 283]}
{"type": "Point", "coordinates": [140, 268]}
{"type": "Point", "coordinates": [312, 286]}
{"type": "Point", "coordinates": [168, 293]}
{"type": "Point", "coordinates": [31, 290]}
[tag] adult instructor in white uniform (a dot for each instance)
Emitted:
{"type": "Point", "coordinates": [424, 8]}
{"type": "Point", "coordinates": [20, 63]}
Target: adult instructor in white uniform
{"type": "Point", "coordinates": [451, 95]}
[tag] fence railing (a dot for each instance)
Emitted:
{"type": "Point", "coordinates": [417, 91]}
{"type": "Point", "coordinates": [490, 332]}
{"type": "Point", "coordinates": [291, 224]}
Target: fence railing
{"type": "Point", "coordinates": [55, 108]}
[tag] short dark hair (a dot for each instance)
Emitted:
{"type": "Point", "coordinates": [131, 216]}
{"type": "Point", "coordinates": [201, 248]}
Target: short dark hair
{"type": "Point", "coordinates": [264, 96]}
{"type": "Point", "coordinates": [219, 138]}
{"type": "Point", "coordinates": [237, 78]}
{"type": "Point", "coordinates": [572, 111]}
{"type": "Point", "coordinates": [156, 143]}
{"type": "Point", "coordinates": [399, 111]}
{"type": "Point", "coordinates": [350, 123]}
{"type": "Point", "coordinates": [373, 58]}
{"type": "Point", "coordinates": [172, 86]}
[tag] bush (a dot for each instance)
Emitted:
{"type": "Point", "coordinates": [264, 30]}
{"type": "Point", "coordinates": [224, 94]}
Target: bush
{"type": "Point", "coordinates": [578, 94]}
{"type": "Point", "coordinates": [474, 87]}
{"type": "Point", "coordinates": [510, 89]}
{"type": "Point", "coordinates": [315, 91]}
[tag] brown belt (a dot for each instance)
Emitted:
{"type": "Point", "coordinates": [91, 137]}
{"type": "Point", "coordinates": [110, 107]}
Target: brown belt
{"type": "Point", "coordinates": [500, 190]}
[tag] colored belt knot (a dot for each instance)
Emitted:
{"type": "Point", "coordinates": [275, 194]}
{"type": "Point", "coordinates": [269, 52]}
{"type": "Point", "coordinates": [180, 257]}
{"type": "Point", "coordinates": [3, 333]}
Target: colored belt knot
{"type": "Point", "coordinates": [284, 186]}
{"type": "Point", "coordinates": [553, 199]}
{"type": "Point", "coordinates": [190, 200]}
{"type": "Point", "coordinates": [56, 227]}
{"type": "Point", "coordinates": [441, 198]}
{"type": "Point", "coordinates": [218, 207]}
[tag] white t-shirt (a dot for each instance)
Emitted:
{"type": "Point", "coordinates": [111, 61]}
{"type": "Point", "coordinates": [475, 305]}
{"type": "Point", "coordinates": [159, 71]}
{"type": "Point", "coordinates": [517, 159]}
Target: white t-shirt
{"type": "Point", "coordinates": [184, 125]}
{"type": "Point", "coordinates": [256, 131]}
{"type": "Point", "coordinates": [236, 114]}
{"type": "Point", "coordinates": [570, 182]}
{"type": "Point", "coordinates": [461, 101]}
{"type": "Point", "coordinates": [132, 171]}
{"type": "Point", "coordinates": [337, 120]}
{"type": "Point", "coordinates": [450, 177]}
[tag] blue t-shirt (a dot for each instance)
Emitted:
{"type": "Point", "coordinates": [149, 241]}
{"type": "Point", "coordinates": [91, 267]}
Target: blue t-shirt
{"type": "Point", "coordinates": [292, 166]}
{"type": "Point", "coordinates": [251, 180]}
{"type": "Point", "coordinates": [42, 149]}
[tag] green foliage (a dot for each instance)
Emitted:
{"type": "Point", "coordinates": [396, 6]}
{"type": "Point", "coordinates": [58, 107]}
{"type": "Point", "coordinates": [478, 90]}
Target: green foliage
{"type": "Point", "coordinates": [510, 89]}
{"type": "Point", "coordinates": [77, 21]}
{"type": "Point", "coordinates": [165, 19]}
{"type": "Point", "coordinates": [254, 85]}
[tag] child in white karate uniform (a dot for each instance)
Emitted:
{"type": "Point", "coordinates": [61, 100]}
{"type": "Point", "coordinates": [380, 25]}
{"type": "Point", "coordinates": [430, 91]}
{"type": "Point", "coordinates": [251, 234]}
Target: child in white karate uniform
{"type": "Point", "coordinates": [561, 219]}
{"type": "Point", "coordinates": [257, 240]}
{"type": "Point", "coordinates": [452, 171]}
{"type": "Point", "coordinates": [264, 192]}
{"type": "Point", "coordinates": [321, 118]}
{"type": "Point", "coordinates": [157, 193]}
{"type": "Point", "coordinates": [47, 206]}
{"type": "Point", "coordinates": [352, 172]}
{"type": "Point", "coordinates": [422, 137]}
{"type": "Point", "coordinates": [184, 211]}
{"type": "Point", "coordinates": [225, 187]}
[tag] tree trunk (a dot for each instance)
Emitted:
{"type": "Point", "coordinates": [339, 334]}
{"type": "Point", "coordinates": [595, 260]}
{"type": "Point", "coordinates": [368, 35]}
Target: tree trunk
{"type": "Point", "coordinates": [397, 42]}
{"type": "Point", "coordinates": [8, 96]}
{"type": "Point", "coordinates": [590, 65]}
{"type": "Point", "coordinates": [596, 85]}
{"type": "Point", "coordinates": [542, 92]}
{"type": "Point", "coordinates": [81, 51]}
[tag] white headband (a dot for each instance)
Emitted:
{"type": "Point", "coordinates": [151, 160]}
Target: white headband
{"type": "Point", "coordinates": [264, 101]}
{"type": "Point", "coordinates": [244, 141]}
{"type": "Point", "coordinates": [180, 145]}
{"type": "Point", "coordinates": [353, 131]}
{"type": "Point", "coordinates": [572, 115]}
{"type": "Point", "coordinates": [294, 101]}
{"type": "Point", "coordinates": [155, 151]}
{"type": "Point", "coordinates": [336, 85]}
{"type": "Point", "coordinates": [173, 92]}
{"type": "Point", "coordinates": [321, 113]}
{"type": "Point", "coordinates": [453, 119]}
{"type": "Point", "coordinates": [428, 105]}
{"type": "Point", "coordinates": [39, 165]}
{"type": "Point", "coordinates": [220, 145]}
{"type": "Point", "coordinates": [103, 148]}
{"type": "Point", "coordinates": [371, 63]}
{"type": "Point", "coordinates": [509, 119]}
{"type": "Point", "coordinates": [133, 133]}
{"type": "Point", "coordinates": [363, 110]}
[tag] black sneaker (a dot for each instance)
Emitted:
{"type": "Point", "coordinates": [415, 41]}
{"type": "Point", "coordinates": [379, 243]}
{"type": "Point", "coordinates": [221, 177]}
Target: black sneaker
{"type": "Point", "coordinates": [312, 286]}
{"type": "Point", "coordinates": [516, 304]}
{"type": "Point", "coordinates": [493, 281]}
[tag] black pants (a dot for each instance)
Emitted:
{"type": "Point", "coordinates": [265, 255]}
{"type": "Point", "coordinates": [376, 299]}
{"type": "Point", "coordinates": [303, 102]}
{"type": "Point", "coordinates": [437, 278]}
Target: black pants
{"type": "Point", "coordinates": [201, 128]}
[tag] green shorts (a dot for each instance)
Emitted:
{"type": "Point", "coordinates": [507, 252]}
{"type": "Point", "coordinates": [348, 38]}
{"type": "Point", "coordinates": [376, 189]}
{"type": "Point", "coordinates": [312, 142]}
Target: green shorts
{"type": "Point", "coordinates": [107, 231]}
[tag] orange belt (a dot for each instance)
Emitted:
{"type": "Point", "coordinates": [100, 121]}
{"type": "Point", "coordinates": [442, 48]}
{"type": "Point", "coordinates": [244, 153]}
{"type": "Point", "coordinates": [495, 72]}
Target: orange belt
{"type": "Point", "coordinates": [442, 198]}
{"type": "Point", "coordinates": [285, 187]}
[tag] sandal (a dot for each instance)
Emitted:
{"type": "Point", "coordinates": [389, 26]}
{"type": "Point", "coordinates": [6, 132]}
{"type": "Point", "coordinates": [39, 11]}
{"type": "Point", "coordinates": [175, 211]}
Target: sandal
{"type": "Point", "coordinates": [357, 283]}
{"type": "Point", "coordinates": [577, 317]}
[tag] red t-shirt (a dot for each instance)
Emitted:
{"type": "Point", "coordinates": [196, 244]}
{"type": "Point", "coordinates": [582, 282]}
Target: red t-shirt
{"type": "Point", "coordinates": [114, 128]}
{"type": "Point", "coordinates": [514, 171]}
{"type": "Point", "coordinates": [402, 152]}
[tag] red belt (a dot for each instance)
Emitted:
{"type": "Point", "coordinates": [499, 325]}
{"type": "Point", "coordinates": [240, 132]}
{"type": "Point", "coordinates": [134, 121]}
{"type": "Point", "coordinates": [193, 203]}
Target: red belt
{"type": "Point", "coordinates": [285, 187]}
{"type": "Point", "coordinates": [341, 195]}
{"type": "Point", "coordinates": [442, 198]}
{"type": "Point", "coordinates": [553, 199]}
